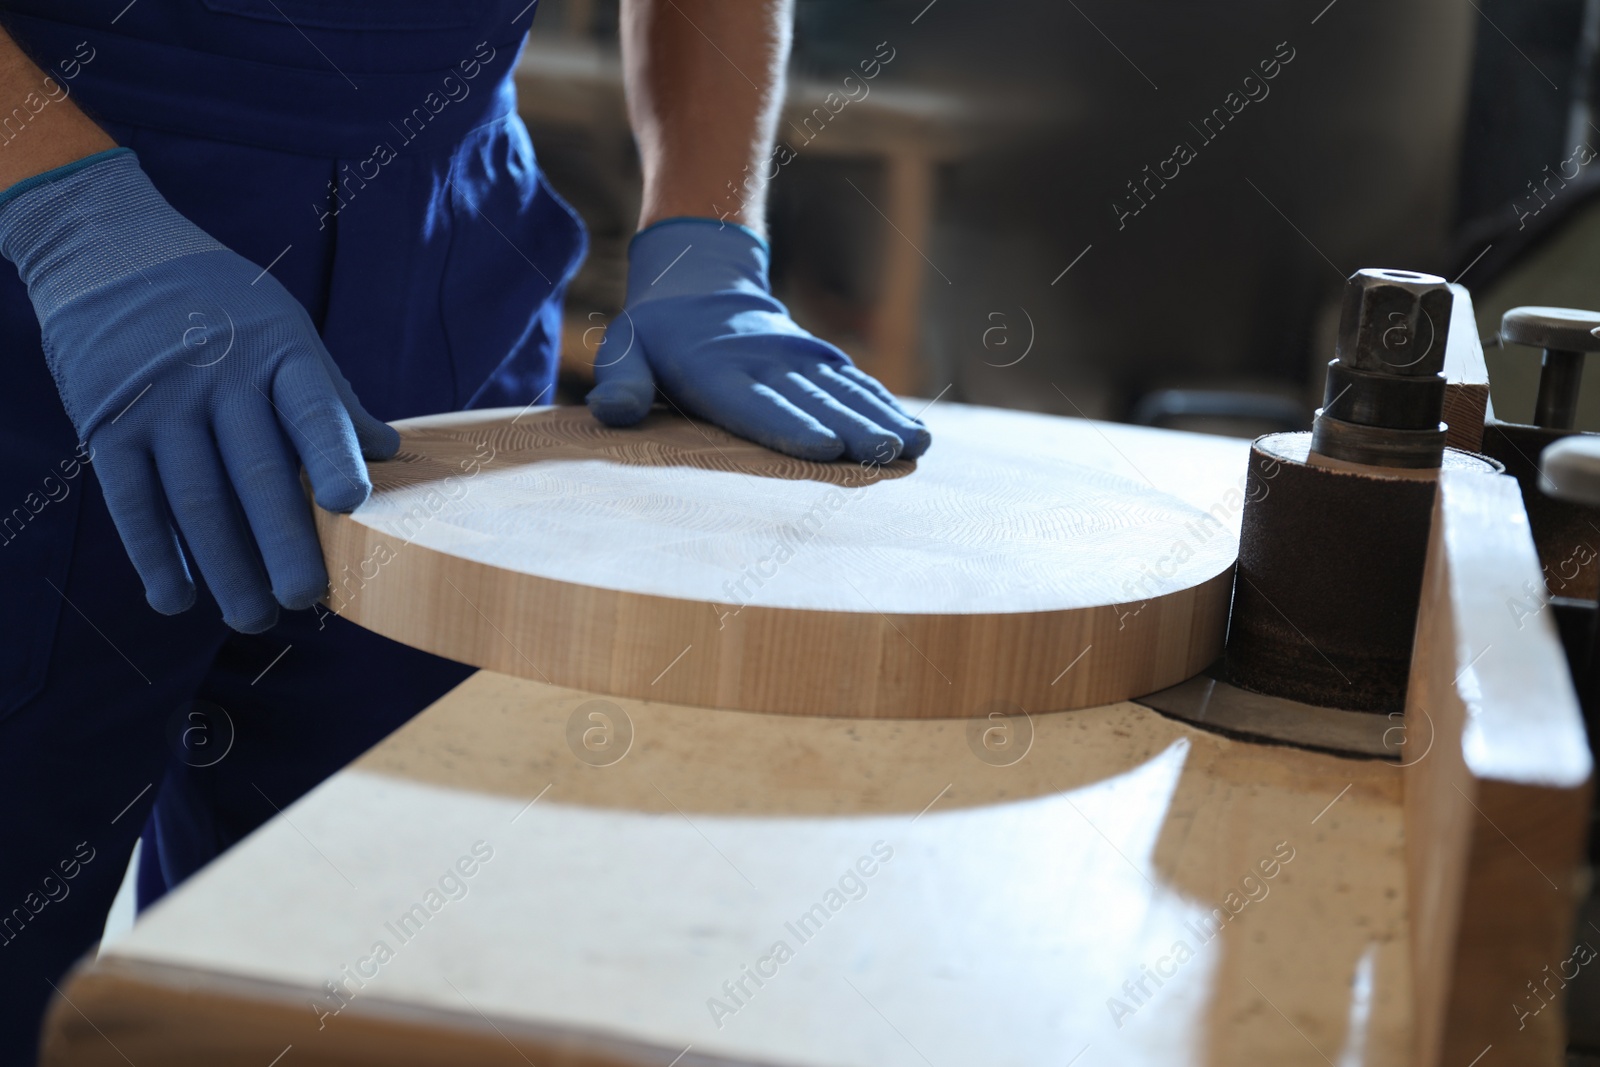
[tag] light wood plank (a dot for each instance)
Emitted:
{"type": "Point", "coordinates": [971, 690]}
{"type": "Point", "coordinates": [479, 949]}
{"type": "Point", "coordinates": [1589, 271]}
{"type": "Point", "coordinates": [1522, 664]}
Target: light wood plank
{"type": "Point", "coordinates": [1466, 391]}
{"type": "Point", "coordinates": [1497, 794]}
{"type": "Point", "coordinates": [1045, 562]}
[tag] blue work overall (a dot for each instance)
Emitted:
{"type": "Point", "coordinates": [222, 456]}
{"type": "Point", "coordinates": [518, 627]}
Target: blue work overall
{"type": "Point", "coordinates": [368, 153]}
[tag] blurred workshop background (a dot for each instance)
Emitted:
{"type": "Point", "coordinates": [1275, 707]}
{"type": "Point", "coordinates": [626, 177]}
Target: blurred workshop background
{"type": "Point", "coordinates": [986, 219]}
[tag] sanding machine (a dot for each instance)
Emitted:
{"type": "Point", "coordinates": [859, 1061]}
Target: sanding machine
{"type": "Point", "coordinates": [1336, 521]}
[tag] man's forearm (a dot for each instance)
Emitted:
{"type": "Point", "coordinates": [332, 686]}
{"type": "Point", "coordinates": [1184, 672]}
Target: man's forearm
{"type": "Point", "coordinates": [705, 84]}
{"type": "Point", "coordinates": [45, 129]}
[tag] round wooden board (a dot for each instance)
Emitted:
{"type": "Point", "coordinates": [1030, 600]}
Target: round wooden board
{"type": "Point", "coordinates": [1026, 562]}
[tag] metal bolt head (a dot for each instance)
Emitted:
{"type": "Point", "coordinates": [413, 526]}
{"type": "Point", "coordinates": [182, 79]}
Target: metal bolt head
{"type": "Point", "coordinates": [1394, 322]}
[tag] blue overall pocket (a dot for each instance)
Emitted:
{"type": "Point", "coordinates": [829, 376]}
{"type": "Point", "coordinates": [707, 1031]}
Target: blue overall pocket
{"type": "Point", "coordinates": [515, 243]}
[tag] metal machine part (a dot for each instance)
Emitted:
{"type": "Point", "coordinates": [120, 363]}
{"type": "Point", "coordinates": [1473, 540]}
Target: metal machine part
{"type": "Point", "coordinates": [1570, 469]}
{"type": "Point", "coordinates": [1566, 529]}
{"type": "Point", "coordinates": [1569, 475]}
{"type": "Point", "coordinates": [1377, 446]}
{"type": "Point", "coordinates": [1335, 528]}
{"type": "Point", "coordinates": [1565, 334]}
{"type": "Point", "coordinates": [1208, 700]}
{"type": "Point", "coordinates": [1372, 399]}
{"type": "Point", "coordinates": [1385, 389]}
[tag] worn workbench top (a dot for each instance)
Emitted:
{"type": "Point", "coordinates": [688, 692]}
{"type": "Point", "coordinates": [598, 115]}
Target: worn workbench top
{"type": "Point", "coordinates": [943, 898]}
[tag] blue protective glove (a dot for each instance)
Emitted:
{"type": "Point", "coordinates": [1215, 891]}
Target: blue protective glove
{"type": "Point", "coordinates": [701, 323]}
{"type": "Point", "coordinates": [199, 383]}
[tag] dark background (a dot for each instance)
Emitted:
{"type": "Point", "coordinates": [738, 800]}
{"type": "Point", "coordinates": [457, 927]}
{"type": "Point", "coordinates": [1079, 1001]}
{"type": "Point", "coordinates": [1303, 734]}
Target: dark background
{"type": "Point", "coordinates": [1400, 135]}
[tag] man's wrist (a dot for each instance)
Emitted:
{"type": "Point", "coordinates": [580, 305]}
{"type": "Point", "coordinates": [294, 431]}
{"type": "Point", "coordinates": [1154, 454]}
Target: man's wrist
{"type": "Point", "coordinates": [747, 217]}
{"type": "Point", "coordinates": [57, 132]}
{"type": "Point", "coordinates": [57, 173]}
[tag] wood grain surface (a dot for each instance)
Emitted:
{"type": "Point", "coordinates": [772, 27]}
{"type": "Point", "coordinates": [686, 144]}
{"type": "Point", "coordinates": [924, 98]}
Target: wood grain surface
{"type": "Point", "coordinates": [1026, 560]}
{"type": "Point", "coordinates": [978, 893]}
{"type": "Point", "coordinates": [1466, 390]}
{"type": "Point", "coordinates": [1497, 790]}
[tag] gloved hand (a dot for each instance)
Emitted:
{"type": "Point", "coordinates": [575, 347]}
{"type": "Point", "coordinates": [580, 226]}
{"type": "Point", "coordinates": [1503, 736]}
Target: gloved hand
{"type": "Point", "coordinates": [701, 322]}
{"type": "Point", "coordinates": [198, 382]}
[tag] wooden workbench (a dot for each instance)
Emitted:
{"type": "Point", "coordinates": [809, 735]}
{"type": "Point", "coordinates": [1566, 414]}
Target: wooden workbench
{"type": "Point", "coordinates": [560, 877]}
{"type": "Point", "coordinates": [1006, 908]}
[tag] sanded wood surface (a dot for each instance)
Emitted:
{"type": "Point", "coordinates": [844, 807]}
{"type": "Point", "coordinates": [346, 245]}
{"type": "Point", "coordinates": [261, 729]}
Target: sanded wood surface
{"type": "Point", "coordinates": [1031, 560]}
{"type": "Point", "coordinates": [1466, 390]}
{"type": "Point", "coordinates": [979, 893]}
{"type": "Point", "coordinates": [1497, 790]}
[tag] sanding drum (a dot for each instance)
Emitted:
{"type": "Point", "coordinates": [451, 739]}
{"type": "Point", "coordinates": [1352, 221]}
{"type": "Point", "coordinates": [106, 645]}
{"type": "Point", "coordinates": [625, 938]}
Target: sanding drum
{"type": "Point", "coordinates": [1336, 521]}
